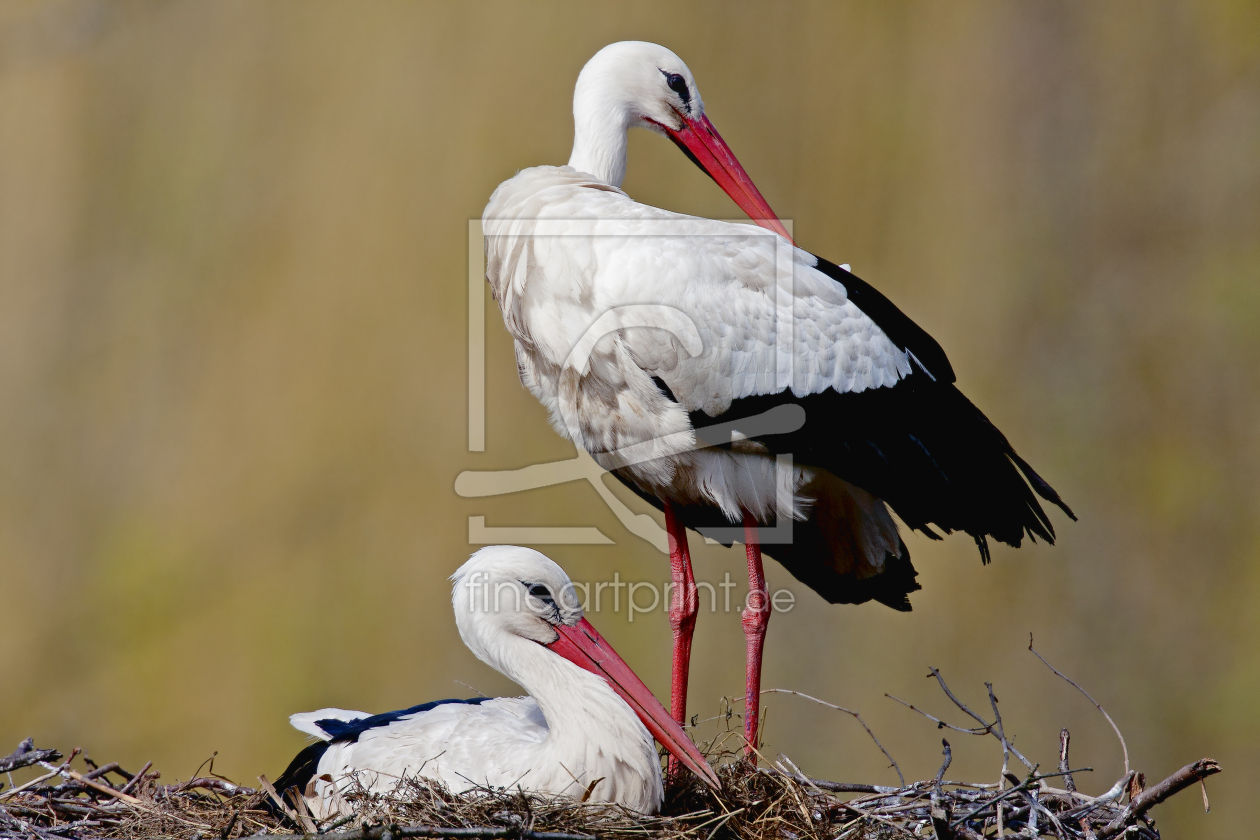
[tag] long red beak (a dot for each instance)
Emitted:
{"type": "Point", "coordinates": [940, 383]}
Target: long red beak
{"type": "Point", "coordinates": [583, 646]}
{"type": "Point", "coordinates": [700, 141]}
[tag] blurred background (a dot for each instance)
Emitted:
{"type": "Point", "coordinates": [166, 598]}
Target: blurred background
{"type": "Point", "coordinates": [233, 307]}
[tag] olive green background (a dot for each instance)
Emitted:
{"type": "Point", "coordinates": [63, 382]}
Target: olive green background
{"type": "Point", "coordinates": [233, 261]}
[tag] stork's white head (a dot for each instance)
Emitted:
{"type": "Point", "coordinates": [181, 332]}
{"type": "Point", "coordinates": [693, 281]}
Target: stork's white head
{"type": "Point", "coordinates": [635, 84]}
{"type": "Point", "coordinates": [511, 603]}
{"type": "Point", "coordinates": [511, 590]}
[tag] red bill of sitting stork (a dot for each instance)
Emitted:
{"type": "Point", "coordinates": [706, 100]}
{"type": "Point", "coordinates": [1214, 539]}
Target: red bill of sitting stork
{"type": "Point", "coordinates": [687, 355]}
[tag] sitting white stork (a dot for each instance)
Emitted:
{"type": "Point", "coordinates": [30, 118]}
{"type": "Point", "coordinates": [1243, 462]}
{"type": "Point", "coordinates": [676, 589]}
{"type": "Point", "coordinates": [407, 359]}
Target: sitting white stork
{"type": "Point", "coordinates": [582, 731]}
{"type": "Point", "coordinates": [637, 328]}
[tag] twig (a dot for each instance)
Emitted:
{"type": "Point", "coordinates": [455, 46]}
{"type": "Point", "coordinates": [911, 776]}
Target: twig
{"type": "Point", "coordinates": [1006, 760]}
{"type": "Point", "coordinates": [56, 771]}
{"type": "Point", "coordinates": [725, 819]}
{"type": "Point", "coordinates": [940, 724]}
{"type": "Point", "coordinates": [1117, 791]}
{"type": "Point", "coordinates": [105, 789]}
{"type": "Point", "coordinates": [1001, 733]}
{"type": "Point", "coordinates": [823, 784]}
{"type": "Point", "coordinates": [340, 821]}
{"type": "Point", "coordinates": [275, 797]}
{"type": "Point", "coordinates": [939, 813]}
{"type": "Point", "coordinates": [716, 817]}
{"type": "Point", "coordinates": [136, 779]}
{"type": "Point", "coordinates": [949, 757]}
{"type": "Point", "coordinates": [1065, 772]}
{"type": "Point", "coordinates": [997, 722]}
{"type": "Point", "coordinates": [227, 829]}
{"type": "Point", "coordinates": [26, 829]}
{"type": "Point", "coordinates": [850, 806]}
{"type": "Point", "coordinates": [960, 704]}
{"type": "Point", "coordinates": [304, 813]}
{"type": "Point", "coordinates": [1033, 778]}
{"type": "Point", "coordinates": [984, 728]}
{"type": "Point", "coordinates": [1001, 796]}
{"type": "Point", "coordinates": [26, 755]}
{"type": "Point", "coordinates": [855, 715]}
{"type": "Point", "coordinates": [112, 767]}
{"type": "Point", "coordinates": [216, 784]}
{"type": "Point", "coordinates": [1152, 796]}
{"type": "Point", "coordinates": [939, 810]}
{"type": "Point", "coordinates": [1068, 781]}
{"type": "Point", "coordinates": [1059, 828]}
{"type": "Point", "coordinates": [1124, 747]}
{"type": "Point", "coordinates": [1029, 791]}
{"type": "Point", "coordinates": [1006, 755]}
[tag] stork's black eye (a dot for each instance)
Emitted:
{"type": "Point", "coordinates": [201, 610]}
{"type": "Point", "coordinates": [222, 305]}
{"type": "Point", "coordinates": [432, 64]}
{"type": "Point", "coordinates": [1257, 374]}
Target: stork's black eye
{"type": "Point", "coordinates": [541, 592]}
{"type": "Point", "coordinates": [678, 85]}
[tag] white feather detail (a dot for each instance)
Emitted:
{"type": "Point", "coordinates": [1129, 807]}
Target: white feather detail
{"type": "Point", "coordinates": [305, 721]}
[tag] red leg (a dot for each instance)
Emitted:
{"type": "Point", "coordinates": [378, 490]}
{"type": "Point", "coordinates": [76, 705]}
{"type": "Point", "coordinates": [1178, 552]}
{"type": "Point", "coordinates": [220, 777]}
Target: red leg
{"type": "Point", "coordinates": [755, 618]}
{"type": "Point", "coordinates": [684, 603]}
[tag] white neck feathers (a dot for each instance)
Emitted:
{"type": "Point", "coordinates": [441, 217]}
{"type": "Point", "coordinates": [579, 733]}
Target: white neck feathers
{"type": "Point", "coordinates": [600, 123]}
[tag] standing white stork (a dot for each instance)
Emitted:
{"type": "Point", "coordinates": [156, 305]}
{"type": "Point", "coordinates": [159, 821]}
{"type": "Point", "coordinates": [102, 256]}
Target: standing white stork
{"type": "Point", "coordinates": [637, 328]}
{"type": "Point", "coordinates": [584, 726]}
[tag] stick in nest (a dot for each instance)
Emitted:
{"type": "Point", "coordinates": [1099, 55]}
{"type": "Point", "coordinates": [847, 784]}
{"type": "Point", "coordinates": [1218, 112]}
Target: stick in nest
{"type": "Point", "coordinates": [1152, 796]}
{"type": "Point", "coordinates": [26, 755]}
{"type": "Point", "coordinates": [985, 727]}
{"type": "Point", "coordinates": [855, 715]}
{"type": "Point", "coordinates": [1124, 747]}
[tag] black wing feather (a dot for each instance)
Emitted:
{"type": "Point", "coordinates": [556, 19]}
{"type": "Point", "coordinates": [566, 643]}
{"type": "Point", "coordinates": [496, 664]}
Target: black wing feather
{"type": "Point", "coordinates": [299, 773]}
{"type": "Point", "coordinates": [805, 557]}
{"type": "Point", "coordinates": [919, 445]}
{"type": "Point", "coordinates": [923, 448]}
{"type": "Point", "coordinates": [350, 730]}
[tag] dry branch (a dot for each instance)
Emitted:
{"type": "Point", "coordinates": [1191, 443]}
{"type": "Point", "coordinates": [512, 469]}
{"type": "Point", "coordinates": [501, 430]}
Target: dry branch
{"type": "Point", "coordinates": [136, 779]}
{"type": "Point", "coordinates": [1152, 796]}
{"type": "Point", "coordinates": [1123, 746]}
{"type": "Point", "coordinates": [1064, 738]}
{"type": "Point", "coordinates": [105, 789]}
{"type": "Point", "coordinates": [891, 761]}
{"type": "Point", "coordinates": [823, 784]}
{"type": "Point", "coordinates": [26, 755]}
{"type": "Point", "coordinates": [949, 757]}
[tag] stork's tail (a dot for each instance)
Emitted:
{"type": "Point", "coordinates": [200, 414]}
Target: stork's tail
{"type": "Point", "coordinates": [295, 779]}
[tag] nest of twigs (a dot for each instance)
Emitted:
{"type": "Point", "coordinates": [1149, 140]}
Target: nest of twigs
{"type": "Point", "coordinates": [757, 802]}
